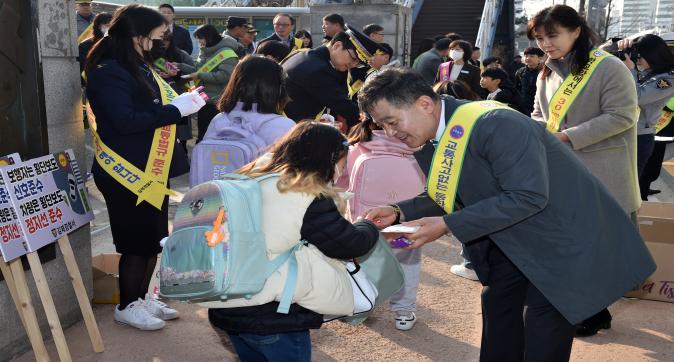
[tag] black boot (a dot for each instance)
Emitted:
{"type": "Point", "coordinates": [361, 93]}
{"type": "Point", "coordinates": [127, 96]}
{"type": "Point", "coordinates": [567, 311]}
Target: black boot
{"type": "Point", "coordinates": [592, 325]}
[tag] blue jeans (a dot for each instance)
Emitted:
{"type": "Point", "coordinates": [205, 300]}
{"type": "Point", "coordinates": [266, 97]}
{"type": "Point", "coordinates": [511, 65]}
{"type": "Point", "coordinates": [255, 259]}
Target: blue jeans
{"type": "Point", "coordinates": [291, 346]}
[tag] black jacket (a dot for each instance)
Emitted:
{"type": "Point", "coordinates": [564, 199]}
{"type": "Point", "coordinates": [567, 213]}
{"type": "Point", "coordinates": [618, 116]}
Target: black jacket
{"type": "Point", "coordinates": [182, 39]}
{"type": "Point", "coordinates": [525, 82]}
{"type": "Point", "coordinates": [335, 237]}
{"type": "Point", "coordinates": [313, 84]}
{"type": "Point", "coordinates": [127, 117]}
{"type": "Point", "coordinates": [290, 42]}
{"type": "Point", "coordinates": [508, 95]}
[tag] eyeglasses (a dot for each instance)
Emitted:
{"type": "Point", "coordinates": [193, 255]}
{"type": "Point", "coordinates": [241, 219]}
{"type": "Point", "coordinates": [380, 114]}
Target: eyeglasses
{"type": "Point", "coordinates": [283, 25]}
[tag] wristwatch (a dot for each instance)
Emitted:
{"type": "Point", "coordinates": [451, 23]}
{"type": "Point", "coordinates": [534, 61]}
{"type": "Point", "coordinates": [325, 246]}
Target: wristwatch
{"type": "Point", "coordinates": [396, 209]}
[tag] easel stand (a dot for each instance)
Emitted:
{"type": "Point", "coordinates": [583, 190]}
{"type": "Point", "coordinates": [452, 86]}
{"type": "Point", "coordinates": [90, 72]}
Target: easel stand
{"type": "Point", "coordinates": [16, 283]}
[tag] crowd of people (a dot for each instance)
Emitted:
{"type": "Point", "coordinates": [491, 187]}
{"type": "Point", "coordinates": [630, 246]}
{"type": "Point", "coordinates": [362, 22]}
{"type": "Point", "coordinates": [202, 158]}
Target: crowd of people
{"type": "Point", "coordinates": [549, 164]}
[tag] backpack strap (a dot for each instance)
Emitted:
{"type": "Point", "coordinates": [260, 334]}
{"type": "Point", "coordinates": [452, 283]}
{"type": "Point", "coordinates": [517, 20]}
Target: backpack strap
{"type": "Point", "coordinates": [291, 280]}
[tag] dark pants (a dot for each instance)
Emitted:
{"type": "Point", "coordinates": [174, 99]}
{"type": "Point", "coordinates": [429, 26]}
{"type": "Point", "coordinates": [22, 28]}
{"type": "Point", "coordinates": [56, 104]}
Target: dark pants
{"type": "Point", "coordinates": [290, 346]}
{"type": "Point", "coordinates": [204, 118]}
{"type": "Point", "coordinates": [645, 144]}
{"type": "Point", "coordinates": [651, 170]}
{"type": "Point", "coordinates": [508, 332]}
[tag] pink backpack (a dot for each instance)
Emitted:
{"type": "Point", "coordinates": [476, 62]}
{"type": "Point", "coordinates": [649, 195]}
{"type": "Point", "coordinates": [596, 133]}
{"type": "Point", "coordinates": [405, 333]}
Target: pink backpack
{"type": "Point", "coordinates": [383, 178]}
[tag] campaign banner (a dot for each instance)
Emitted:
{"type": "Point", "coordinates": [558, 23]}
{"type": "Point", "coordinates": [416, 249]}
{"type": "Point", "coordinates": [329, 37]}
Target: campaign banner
{"type": "Point", "coordinates": [49, 197]}
{"type": "Point", "coordinates": [12, 244]}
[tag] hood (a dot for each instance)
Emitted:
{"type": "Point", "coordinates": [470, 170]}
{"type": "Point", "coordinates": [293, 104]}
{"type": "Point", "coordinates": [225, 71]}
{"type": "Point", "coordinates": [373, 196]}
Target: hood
{"type": "Point", "coordinates": [226, 42]}
{"type": "Point", "coordinates": [382, 143]}
{"type": "Point", "coordinates": [249, 120]}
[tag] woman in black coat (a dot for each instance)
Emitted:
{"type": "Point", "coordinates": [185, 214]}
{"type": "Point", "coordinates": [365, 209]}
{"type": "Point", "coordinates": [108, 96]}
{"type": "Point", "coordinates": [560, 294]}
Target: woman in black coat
{"type": "Point", "coordinates": [459, 68]}
{"type": "Point", "coordinates": [125, 99]}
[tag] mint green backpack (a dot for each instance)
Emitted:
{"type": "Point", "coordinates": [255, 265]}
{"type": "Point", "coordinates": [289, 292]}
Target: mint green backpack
{"type": "Point", "coordinates": [217, 249]}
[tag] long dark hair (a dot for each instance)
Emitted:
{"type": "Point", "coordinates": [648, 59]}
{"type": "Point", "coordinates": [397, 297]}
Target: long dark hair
{"type": "Point", "coordinates": [305, 158]}
{"type": "Point", "coordinates": [127, 22]}
{"type": "Point", "coordinates": [566, 17]}
{"type": "Point", "coordinates": [362, 132]}
{"type": "Point", "coordinates": [255, 80]}
{"type": "Point", "coordinates": [654, 49]}
{"type": "Point", "coordinates": [305, 34]}
{"type": "Point", "coordinates": [209, 33]}
{"type": "Point", "coordinates": [100, 19]}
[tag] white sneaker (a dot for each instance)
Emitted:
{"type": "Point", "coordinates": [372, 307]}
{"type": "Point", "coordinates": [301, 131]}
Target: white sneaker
{"type": "Point", "coordinates": [159, 309]}
{"type": "Point", "coordinates": [135, 315]}
{"type": "Point", "coordinates": [405, 320]}
{"type": "Point", "coordinates": [463, 272]}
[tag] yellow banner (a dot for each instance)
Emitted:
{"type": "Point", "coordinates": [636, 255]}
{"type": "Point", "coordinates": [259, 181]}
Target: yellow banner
{"type": "Point", "coordinates": [148, 185]}
{"type": "Point", "coordinates": [572, 86]}
{"type": "Point", "coordinates": [211, 64]}
{"type": "Point", "coordinates": [663, 121]}
{"type": "Point", "coordinates": [87, 33]}
{"type": "Point", "coordinates": [443, 180]}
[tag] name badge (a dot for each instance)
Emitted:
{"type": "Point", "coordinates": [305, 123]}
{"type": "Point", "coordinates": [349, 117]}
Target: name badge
{"type": "Point", "coordinates": [464, 71]}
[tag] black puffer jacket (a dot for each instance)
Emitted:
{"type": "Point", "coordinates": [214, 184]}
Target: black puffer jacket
{"type": "Point", "coordinates": [335, 237]}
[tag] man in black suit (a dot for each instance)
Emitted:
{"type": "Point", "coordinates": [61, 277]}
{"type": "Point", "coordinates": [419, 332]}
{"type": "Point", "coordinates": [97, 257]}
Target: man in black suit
{"type": "Point", "coordinates": [283, 31]}
{"type": "Point", "coordinates": [540, 230]}
{"type": "Point", "coordinates": [181, 37]}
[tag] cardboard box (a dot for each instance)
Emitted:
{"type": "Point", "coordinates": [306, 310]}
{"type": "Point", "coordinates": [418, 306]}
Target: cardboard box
{"type": "Point", "coordinates": [656, 225]}
{"type": "Point", "coordinates": [105, 275]}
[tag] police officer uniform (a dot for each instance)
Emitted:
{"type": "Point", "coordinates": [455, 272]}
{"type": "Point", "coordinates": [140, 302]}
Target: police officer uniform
{"type": "Point", "coordinates": [369, 48]}
{"type": "Point", "coordinates": [653, 93]}
{"type": "Point", "coordinates": [315, 86]}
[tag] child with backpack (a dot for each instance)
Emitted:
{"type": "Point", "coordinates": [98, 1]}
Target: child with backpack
{"type": "Point", "coordinates": [248, 123]}
{"type": "Point", "coordinates": [382, 170]}
{"type": "Point", "coordinates": [299, 202]}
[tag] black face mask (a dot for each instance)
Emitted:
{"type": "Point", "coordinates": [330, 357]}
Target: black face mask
{"type": "Point", "coordinates": [157, 51]}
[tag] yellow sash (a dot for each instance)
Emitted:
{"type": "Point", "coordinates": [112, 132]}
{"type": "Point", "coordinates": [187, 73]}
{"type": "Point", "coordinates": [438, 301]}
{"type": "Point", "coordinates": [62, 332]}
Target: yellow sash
{"type": "Point", "coordinates": [87, 33]}
{"type": "Point", "coordinates": [572, 86]}
{"type": "Point", "coordinates": [150, 184]}
{"type": "Point", "coordinates": [443, 180]}
{"type": "Point", "coordinates": [213, 63]}
{"type": "Point", "coordinates": [298, 43]}
{"type": "Point", "coordinates": [663, 121]}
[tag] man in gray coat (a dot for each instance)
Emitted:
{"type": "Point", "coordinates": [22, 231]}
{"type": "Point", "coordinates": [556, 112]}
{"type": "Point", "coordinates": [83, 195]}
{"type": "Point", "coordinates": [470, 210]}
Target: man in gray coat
{"type": "Point", "coordinates": [428, 62]}
{"type": "Point", "coordinates": [540, 229]}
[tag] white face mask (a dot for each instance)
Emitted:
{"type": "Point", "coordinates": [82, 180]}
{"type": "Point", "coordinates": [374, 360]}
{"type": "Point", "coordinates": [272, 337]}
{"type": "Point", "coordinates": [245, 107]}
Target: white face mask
{"type": "Point", "coordinates": [104, 30]}
{"type": "Point", "coordinates": [456, 54]}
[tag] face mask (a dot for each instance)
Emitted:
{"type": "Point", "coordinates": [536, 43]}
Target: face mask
{"type": "Point", "coordinates": [158, 49]}
{"type": "Point", "coordinates": [104, 30]}
{"type": "Point", "coordinates": [640, 68]}
{"type": "Point", "coordinates": [456, 54]}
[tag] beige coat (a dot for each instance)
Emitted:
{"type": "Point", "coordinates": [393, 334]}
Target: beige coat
{"type": "Point", "coordinates": [323, 284]}
{"type": "Point", "coordinates": [601, 125]}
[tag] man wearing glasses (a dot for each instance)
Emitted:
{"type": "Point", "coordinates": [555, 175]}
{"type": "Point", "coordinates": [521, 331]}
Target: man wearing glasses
{"type": "Point", "coordinates": [283, 31]}
{"type": "Point", "coordinates": [317, 78]}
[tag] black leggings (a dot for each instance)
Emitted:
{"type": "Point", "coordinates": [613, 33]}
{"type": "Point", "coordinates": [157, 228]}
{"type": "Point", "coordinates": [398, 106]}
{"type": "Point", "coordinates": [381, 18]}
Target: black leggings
{"type": "Point", "coordinates": [135, 273]}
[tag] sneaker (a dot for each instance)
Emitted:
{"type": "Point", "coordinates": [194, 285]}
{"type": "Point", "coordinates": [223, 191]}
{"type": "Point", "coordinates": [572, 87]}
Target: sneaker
{"type": "Point", "coordinates": [135, 315]}
{"type": "Point", "coordinates": [405, 320]}
{"type": "Point", "coordinates": [159, 309]}
{"type": "Point", "coordinates": [463, 272]}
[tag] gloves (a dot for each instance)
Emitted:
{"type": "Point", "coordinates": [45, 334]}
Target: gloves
{"type": "Point", "coordinates": [188, 103]}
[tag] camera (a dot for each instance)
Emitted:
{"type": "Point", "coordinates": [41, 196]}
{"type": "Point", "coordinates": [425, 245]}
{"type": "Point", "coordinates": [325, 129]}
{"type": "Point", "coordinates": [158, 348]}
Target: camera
{"type": "Point", "coordinates": [622, 54]}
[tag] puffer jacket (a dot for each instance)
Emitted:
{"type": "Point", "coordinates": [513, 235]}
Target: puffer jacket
{"type": "Point", "coordinates": [322, 287]}
{"type": "Point", "coordinates": [214, 82]}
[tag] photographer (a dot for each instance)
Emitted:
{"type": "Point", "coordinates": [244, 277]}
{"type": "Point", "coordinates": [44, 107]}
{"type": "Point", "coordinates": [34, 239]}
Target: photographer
{"type": "Point", "coordinates": [652, 66]}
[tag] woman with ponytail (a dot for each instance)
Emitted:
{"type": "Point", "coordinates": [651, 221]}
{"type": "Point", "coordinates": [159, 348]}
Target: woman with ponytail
{"type": "Point", "coordinates": [132, 111]}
